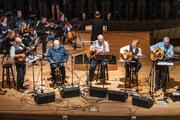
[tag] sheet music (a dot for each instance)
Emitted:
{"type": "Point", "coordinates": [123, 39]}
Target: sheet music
{"type": "Point", "coordinates": [31, 59]}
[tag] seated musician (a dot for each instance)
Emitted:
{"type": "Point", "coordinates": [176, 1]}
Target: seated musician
{"type": "Point", "coordinates": [18, 19]}
{"type": "Point", "coordinates": [57, 56]}
{"type": "Point", "coordinates": [100, 46]}
{"type": "Point", "coordinates": [131, 59]}
{"type": "Point", "coordinates": [161, 71]}
{"type": "Point", "coordinates": [4, 28]}
{"type": "Point", "coordinates": [16, 53]}
{"type": "Point", "coordinates": [68, 33]}
{"type": "Point", "coordinates": [28, 34]}
{"type": "Point", "coordinates": [4, 31]}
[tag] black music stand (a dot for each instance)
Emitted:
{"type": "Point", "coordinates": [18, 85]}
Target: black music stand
{"type": "Point", "coordinates": [106, 58]}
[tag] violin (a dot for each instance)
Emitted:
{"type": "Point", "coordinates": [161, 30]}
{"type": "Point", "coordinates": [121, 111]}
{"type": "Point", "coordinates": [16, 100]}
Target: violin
{"type": "Point", "coordinates": [29, 30]}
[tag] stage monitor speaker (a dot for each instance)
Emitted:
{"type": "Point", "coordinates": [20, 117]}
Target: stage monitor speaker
{"type": "Point", "coordinates": [175, 96]}
{"type": "Point", "coordinates": [142, 101]}
{"type": "Point", "coordinates": [70, 92]}
{"type": "Point", "coordinates": [117, 96]}
{"type": "Point", "coordinates": [97, 92]}
{"type": "Point", "coordinates": [42, 98]}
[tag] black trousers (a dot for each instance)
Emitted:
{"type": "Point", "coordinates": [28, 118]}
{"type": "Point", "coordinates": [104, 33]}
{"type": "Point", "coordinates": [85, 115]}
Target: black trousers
{"type": "Point", "coordinates": [161, 76]}
{"type": "Point", "coordinates": [21, 71]}
{"type": "Point", "coordinates": [137, 66]}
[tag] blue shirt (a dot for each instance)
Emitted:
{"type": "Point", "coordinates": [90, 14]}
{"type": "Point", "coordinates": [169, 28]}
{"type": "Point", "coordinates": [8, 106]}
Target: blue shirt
{"type": "Point", "coordinates": [169, 51]}
{"type": "Point", "coordinates": [57, 55]}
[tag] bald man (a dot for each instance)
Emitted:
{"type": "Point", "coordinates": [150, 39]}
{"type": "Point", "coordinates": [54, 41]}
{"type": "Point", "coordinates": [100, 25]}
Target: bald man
{"type": "Point", "coordinates": [16, 53]}
{"type": "Point", "coordinates": [57, 56]}
{"type": "Point", "coordinates": [100, 46]}
{"type": "Point", "coordinates": [162, 71]}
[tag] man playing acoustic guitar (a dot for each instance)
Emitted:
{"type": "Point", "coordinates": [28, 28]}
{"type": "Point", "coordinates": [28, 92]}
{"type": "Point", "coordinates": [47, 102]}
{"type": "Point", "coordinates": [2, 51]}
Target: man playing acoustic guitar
{"type": "Point", "coordinates": [131, 54]}
{"type": "Point", "coordinates": [17, 52]}
{"type": "Point", "coordinates": [100, 46]}
{"type": "Point", "coordinates": [162, 51]}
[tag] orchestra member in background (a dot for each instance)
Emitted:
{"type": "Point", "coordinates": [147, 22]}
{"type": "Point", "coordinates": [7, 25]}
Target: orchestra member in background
{"type": "Point", "coordinates": [42, 29]}
{"type": "Point", "coordinates": [55, 5]}
{"type": "Point", "coordinates": [18, 19]}
{"type": "Point", "coordinates": [162, 70]}
{"type": "Point", "coordinates": [4, 28]}
{"type": "Point", "coordinates": [99, 46]}
{"type": "Point", "coordinates": [16, 53]}
{"type": "Point", "coordinates": [27, 33]}
{"type": "Point", "coordinates": [9, 41]}
{"type": "Point", "coordinates": [57, 56]}
{"type": "Point", "coordinates": [97, 25]}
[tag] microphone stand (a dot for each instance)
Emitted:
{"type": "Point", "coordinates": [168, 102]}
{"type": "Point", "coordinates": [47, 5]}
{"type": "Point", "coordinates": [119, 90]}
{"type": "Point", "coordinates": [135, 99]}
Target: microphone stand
{"type": "Point", "coordinates": [42, 91]}
{"type": "Point", "coordinates": [34, 92]}
{"type": "Point", "coordinates": [72, 68]}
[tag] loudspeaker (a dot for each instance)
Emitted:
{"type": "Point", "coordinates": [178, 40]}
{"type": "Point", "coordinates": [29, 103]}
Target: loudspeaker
{"type": "Point", "coordinates": [117, 96]}
{"type": "Point", "coordinates": [142, 101]}
{"type": "Point", "coordinates": [44, 98]}
{"type": "Point", "coordinates": [70, 92]}
{"type": "Point", "coordinates": [97, 92]}
{"type": "Point", "coordinates": [175, 96]}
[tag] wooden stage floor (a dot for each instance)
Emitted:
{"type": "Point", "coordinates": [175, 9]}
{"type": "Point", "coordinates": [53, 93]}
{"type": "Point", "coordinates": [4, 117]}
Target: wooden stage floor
{"type": "Point", "coordinates": [15, 103]}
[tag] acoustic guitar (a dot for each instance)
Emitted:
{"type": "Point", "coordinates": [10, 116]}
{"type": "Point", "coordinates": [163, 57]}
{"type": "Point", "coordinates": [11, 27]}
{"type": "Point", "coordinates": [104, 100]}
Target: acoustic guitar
{"type": "Point", "coordinates": [157, 55]}
{"type": "Point", "coordinates": [90, 54]}
{"type": "Point", "coordinates": [130, 55]}
{"type": "Point", "coordinates": [26, 52]}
